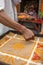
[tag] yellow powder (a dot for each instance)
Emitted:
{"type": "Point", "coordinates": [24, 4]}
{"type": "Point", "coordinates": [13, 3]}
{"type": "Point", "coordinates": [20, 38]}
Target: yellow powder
{"type": "Point", "coordinates": [6, 59]}
{"type": "Point", "coordinates": [41, 40]}
{"type": "Point", "coordinates": [39, 51]}
{"type": "Point", "coordinates": [4, 39]}
{"type": "Point", "coordinates": [11, 34]}
{"type": "Point", "coordinates": [12, 61]}
{"type": "Point", "coordinates": [24, 63]}
{"type": "Point", "coordinates": [18, 46]}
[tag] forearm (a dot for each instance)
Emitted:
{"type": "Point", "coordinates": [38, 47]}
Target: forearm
{"type": "Point", "coordinates": [6, 20]}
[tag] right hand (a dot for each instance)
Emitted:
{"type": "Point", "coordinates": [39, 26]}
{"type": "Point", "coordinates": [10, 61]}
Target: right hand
{"type": "Point", "coordinates": [28, 34]}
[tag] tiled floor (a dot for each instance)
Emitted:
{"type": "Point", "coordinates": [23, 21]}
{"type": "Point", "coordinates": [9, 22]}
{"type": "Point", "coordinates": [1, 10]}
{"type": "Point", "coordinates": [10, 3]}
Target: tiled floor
{"type": "Point", "coordinates": [17, 51]}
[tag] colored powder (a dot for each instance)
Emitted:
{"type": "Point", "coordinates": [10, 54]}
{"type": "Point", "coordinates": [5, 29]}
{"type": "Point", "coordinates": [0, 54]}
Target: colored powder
{"type": "Point", "coordinates": [41, 39]}
{"type": "Point", "coordinates": [18, 46]}
{"type": "Point", "coordinates": [11, 34]}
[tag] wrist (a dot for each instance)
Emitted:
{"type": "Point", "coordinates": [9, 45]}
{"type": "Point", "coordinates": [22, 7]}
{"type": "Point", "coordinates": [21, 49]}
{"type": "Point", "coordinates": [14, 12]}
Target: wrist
{"type": "Point", "coordinates": [23, 29]}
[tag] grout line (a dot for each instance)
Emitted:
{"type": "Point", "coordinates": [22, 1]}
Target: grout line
{"type": "Point", "coordinates": [16, 57]}
{"type": "Point", "coordinates": [32, 52]}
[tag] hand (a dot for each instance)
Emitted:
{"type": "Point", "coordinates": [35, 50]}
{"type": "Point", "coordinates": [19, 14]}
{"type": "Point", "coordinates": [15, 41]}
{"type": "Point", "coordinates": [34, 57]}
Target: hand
{"type": "Point", "coordinates": [28, 34]}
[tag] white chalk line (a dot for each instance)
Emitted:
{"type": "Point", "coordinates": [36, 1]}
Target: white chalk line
{"type": "Point", "coordinates": [7, 40]}
{"type": "Point", "coordinates": [31, 62]}
{"type": "Point", "coordinates": [34, 49]}
{"type": "Point", "coordinates": [40, 42]}
{"type": "Point", "coordinates": [24, 39]}
{"type": "Point", "coordinates": [5, 43]}
{"type": "Point", "coordinates": [11, 38]}
{"type": "Point", "coordinates": [8, 36]}
{"type": "Point", "coordinates": [16, 57]}
{"type": "Point", "coordinates": [14, 35]}
{"type": "Point", "coordinates": [32, 52]}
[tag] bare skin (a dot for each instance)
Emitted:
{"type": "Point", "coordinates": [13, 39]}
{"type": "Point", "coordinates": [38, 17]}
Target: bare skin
{"type": "Point", "coordinates": [7, 21]}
